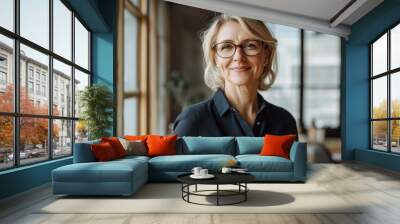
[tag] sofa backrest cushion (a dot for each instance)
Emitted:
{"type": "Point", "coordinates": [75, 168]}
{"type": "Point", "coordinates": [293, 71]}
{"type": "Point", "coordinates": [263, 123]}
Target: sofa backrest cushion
{"type": "Point", "coordinates": [161, 145]}
{"type": "Point", "coordinates": [249, 145]}
{"type": "Point", "coordinates": [206, 145]}
{"type": "Point", "coordinates": [277, 145]}
{"type": "Point", "coordinates": [118, 148]}
{"type": "Point", "coordinates": [83, 152]}
{"type": "Point", "coordinates": [104, 152]}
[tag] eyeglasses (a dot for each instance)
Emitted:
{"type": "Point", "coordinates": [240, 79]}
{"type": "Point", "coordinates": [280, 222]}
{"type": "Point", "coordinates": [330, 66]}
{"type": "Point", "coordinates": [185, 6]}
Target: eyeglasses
{"type": "Point", "coordinates": [249, 47]}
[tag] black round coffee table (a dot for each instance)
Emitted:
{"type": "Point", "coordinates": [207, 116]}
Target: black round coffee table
{"type": "Point", "coordinates": [238, 179]}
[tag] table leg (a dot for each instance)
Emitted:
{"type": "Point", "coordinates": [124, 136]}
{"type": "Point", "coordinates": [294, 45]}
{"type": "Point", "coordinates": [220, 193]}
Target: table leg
{"type": "Point", "coordinates": [245, 191]}
{"type": "Point", "coordinates": [196, 188]}
{"type": "Point", "coordinates": [217, 194]}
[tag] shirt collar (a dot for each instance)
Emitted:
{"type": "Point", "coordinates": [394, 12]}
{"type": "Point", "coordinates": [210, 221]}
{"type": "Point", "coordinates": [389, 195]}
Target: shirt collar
{"type": "Point", "coordinates": [222, 104]}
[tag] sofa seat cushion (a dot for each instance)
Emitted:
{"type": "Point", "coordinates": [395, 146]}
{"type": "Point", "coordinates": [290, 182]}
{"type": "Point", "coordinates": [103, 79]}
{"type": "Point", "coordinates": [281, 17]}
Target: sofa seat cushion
{"type": "Point", "coordinates": [257, 163]}
{"type": "Point", "coordinates": [133, 158]}
{"type": "Point", "coordinates": [185, 163]}
{"type": "Point", "coordinates": [111, 171]}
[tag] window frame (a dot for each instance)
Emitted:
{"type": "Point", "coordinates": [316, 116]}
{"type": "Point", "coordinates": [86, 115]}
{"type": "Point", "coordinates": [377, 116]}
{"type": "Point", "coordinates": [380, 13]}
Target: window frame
{"type": "Point", "coordinates": [141, 94]}
{"type": "Point", "coordinates": [16, 115]}
{"type": "Point", "coordinates": [388, 74]}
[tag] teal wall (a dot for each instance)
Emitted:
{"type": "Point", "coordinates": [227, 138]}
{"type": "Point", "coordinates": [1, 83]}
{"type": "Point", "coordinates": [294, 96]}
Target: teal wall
{"type": "Point", "coordinates": [355, 110]}
{"type": "Point", "coordinates": [99, 15]}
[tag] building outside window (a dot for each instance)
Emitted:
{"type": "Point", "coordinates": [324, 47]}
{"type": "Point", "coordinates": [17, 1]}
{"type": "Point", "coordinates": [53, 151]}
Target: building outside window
{"type": "Point", "coordinates": [30, 87]}
{"type": "Point", "coordinates": [3, 61]}
{"type": "Point", "coordinates": [43, 90]}
{"type": "Point", "coordinates": [30, 72]}
{"type": "Point", "coordinates": [3, 78]}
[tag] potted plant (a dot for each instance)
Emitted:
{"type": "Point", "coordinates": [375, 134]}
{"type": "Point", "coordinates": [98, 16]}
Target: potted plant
{"type": "Point", "coordinates": [96, 103]}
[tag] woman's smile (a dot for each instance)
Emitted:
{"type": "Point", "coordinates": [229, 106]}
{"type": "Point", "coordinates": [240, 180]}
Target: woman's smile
{"type": "Point", "coordinates": [240, 68]}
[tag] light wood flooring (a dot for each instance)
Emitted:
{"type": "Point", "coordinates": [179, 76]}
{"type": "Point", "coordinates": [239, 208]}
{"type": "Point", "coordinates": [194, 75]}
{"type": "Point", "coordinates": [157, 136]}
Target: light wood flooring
{"type": "Point", "coordinates": [377, 188]}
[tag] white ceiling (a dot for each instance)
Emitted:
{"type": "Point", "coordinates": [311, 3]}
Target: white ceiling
{"type": "Point", "coordinates": [320, 9]}
{"type": "Point", "coordinates": [317, 15]}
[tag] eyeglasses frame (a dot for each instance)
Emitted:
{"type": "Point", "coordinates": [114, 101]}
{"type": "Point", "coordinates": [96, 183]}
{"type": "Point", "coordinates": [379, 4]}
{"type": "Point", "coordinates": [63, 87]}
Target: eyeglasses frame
{"type": "Point", "coordinates": [265, 44]}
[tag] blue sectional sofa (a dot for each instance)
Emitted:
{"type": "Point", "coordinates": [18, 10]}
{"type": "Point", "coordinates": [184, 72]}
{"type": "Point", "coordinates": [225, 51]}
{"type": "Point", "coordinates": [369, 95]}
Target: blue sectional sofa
{"type": "Point", "coordinates": [125, 176]}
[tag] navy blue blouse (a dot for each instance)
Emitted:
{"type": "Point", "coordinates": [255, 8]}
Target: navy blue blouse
{"type": "Point", "coordinates": [215, 117]}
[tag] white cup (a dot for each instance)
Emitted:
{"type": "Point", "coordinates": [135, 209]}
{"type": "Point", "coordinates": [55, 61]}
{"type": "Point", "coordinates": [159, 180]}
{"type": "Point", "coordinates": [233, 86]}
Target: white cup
{"type": "Point", "coordinates": [196, 171]}
{"type": "Point", "coordinates": [226, 170]}
{"type": "Point", "coordinates": [203, 172]}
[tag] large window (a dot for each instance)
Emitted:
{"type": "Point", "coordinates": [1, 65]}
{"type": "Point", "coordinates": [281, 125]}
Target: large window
{"type": "Point", "coordinates": [308, 80]}
{"type": "Point", "coordinates": [44, 64]}
{"type": "Point", "coordinates": [132, 76]}
{"type": "Point", "coordinates": [286, 90]}
{"type": "Point", "coordinates": [385, 92]}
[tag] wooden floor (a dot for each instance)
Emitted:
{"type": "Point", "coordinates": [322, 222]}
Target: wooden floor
{"type": "Point", "coordinates": [377, 188]}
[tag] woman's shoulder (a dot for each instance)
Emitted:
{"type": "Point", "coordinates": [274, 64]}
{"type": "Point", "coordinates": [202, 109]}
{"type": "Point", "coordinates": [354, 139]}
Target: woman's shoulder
{"type": "Point", "coordinates": [194, 111]}
{"type": "Point", "coordinates": [279, 111]}
{"type": "Point", "coordinates": [192, 119]}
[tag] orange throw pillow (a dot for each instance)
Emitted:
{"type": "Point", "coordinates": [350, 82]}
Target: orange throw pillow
{"type": "Point", "coordinates": [116, 145]}
{"type": "Point", "coordinates": [136, 137]}
{"type": "Point", "coordinates": [103, 152]}
{"type": "Point", "coordinates": [277, 145]}
{"type": "Point", "coordinates": [161, 145]}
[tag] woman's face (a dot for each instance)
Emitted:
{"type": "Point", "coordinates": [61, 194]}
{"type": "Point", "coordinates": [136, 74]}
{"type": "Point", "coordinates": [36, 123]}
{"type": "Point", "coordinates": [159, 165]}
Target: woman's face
{"type": "Point", "coordinates": [239, 69]}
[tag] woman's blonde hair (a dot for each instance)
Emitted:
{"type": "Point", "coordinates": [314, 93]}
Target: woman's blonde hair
{"type": "Point", "coordinates": [212, 77]}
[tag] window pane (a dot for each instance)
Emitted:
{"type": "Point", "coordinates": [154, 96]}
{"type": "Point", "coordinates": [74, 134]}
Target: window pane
{"type": "Point", "coordinates": [6, 74]}
{"type": "Point", "coordinates": [81, 81]}
{"type": "Point", "coordinates": [379, 98]}
{"type": "Point", "coordinates": [7, 14]}
{"type": "Point", "coordinates": [62, 138]}
{"type": "Point", "coordinates": [395, 94]}
{"type": "Point", "coordinates": [81, 45]}
{"type": "Point", "coordinates": [130, 116]}
{"type": "Point", "coordinates": [62, 89]}
{"type": "Point", "coordinates": [379, 135]}
{"type": "Point", "coordinates": [322, 80]}
{"type": "Point", "coordinates": [62, 29]}
{"type": "Point", "coordinates": [395, 47]}
{"type": "Point", "coordinates": [322, 60]}
{"type": "Point", "coordinates": [35, 100]}
{"type": "Point", "coordinates": [33, 139]}
{"type": "Point", "coordinates": [288, 52]}
{"type": "Point", "coordinates": [395, 136]}
{"type": "Point", "coordinates": [323, 110]}
{"type": "Point", "coordinates": [285, 91]}
{"type": "Point", "coordinates": [6, 142]}
{"type": "Point", "coordinates": [379, 55]}
{"type": "Point", "coordinates": [81, 131]}
{"type": "Point", "coordinates": [33, 77]}
{"type": "Point", "coordinates": [130, 52]}
{"type": "Point", "coordinates": [35, 21]}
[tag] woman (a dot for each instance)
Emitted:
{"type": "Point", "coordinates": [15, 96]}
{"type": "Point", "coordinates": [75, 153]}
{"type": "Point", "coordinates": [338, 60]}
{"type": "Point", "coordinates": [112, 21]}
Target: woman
{"type": "Point", "coordinates": [239, 54]}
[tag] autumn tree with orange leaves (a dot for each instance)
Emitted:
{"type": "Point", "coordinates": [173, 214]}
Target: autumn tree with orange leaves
{"type": "Point", "coordinates": [380, 128]}
{"type": "Point", "coordinates": [33, 130]}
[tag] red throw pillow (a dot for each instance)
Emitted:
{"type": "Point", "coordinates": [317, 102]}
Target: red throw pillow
{"type": "Point", "coordinates": [136, 137]}
{"type": "Point", "coordinates": [103, 151]}
{"type": "Point", "coordinates": [277, 145]}
{"type": "Point", "coordinates": [116, 145]}
{"type": "Point", "coordinates": [161, 145]}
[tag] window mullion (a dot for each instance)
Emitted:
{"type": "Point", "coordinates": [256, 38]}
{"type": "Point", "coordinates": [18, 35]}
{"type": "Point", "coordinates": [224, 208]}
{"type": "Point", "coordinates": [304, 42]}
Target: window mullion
{"type": "Point", "coordinates": [50, 81]}
{"type": "Point", "coordinates": [16, 84]}
{"type": "Point", "coordinates": [73, 82]}
{"type": "Point", "coordinates": [388, 95]}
